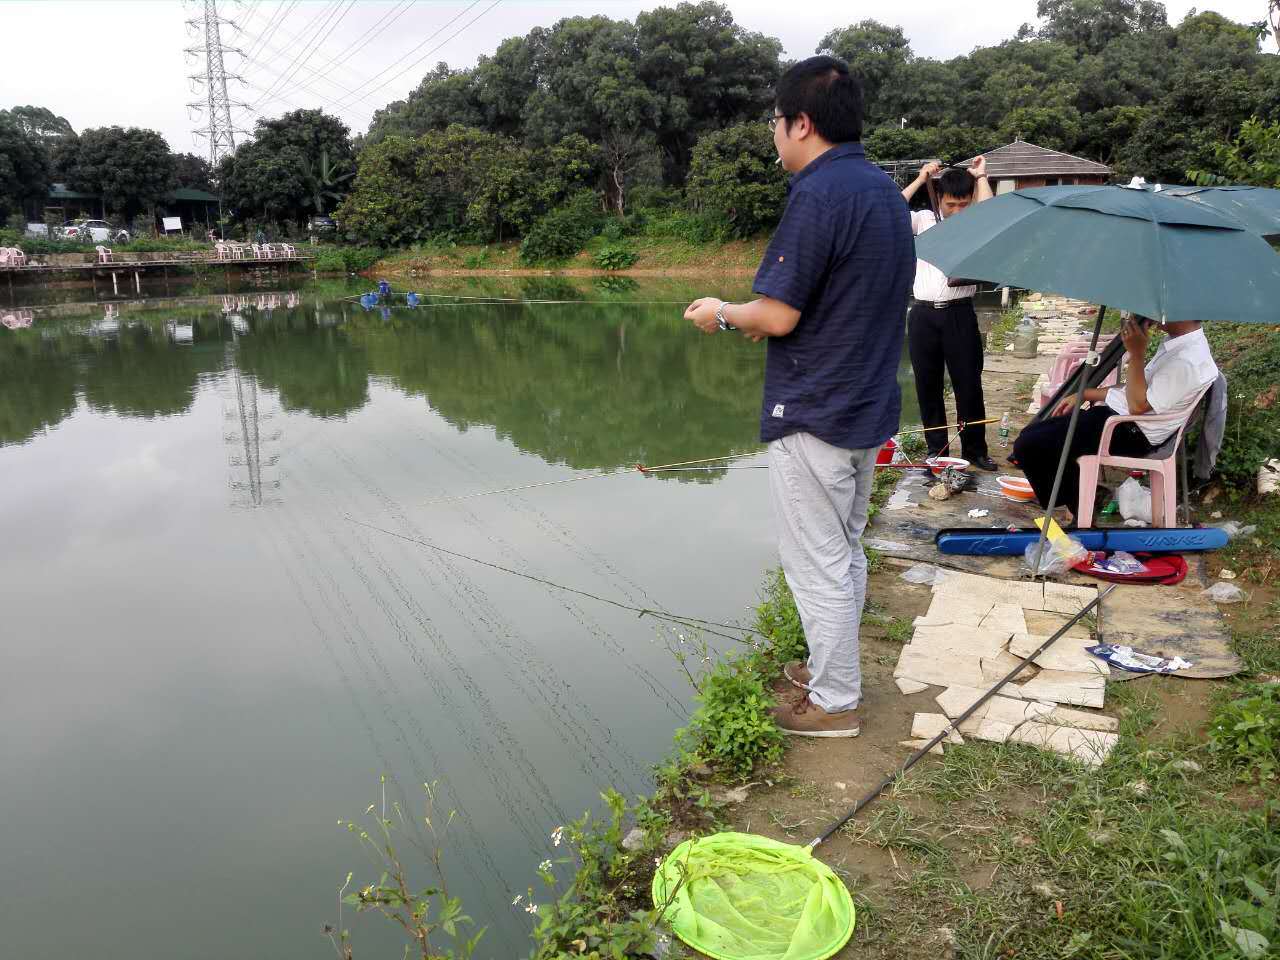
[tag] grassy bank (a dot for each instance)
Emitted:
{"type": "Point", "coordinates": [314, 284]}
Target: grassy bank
{"type": "Point", "coordinates": [644, 255]}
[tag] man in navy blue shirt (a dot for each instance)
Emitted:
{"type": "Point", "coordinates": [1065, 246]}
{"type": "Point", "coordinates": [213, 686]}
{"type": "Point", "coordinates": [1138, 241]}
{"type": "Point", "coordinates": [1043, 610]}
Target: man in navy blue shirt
{"type": "Point", "coordinates": [832, 297]}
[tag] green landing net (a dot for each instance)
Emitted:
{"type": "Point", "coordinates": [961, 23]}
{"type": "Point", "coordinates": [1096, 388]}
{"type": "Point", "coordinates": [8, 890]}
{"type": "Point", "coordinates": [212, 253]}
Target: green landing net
{"type": "Point", "coordinates": [738, 896]}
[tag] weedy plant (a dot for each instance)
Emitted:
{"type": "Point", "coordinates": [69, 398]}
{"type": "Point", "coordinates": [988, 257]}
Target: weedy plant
{"type": "Point", "coordinates": [428, 916]}
{"type": "Point", "coordinates": [602, 912]}
{"type": "Point", "coordinates": [1245, 732]}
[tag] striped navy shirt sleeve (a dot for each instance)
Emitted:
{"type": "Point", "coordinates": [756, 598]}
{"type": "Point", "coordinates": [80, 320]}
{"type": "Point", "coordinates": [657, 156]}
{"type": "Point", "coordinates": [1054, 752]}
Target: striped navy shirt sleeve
{"type": "Point", "coordinates": [796, 261]}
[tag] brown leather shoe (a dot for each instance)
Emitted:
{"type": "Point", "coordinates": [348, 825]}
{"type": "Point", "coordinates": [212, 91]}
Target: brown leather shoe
{"type": "Point", "coordinates": [804, 718]}
{"type": "Point", "coordinates": [797, 671]}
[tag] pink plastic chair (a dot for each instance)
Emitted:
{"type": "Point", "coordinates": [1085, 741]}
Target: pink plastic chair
{"type": "Point", "coordinates": [104, 254]}
{"type": "Point", "coordinates": [1072, 354]}
{"type": "Point", "coordinates": [1162, 466]}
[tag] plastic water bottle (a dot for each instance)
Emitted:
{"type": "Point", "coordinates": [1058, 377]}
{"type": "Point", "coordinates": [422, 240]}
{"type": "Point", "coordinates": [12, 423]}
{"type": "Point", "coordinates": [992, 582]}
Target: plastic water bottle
{"type": "Point", "coordinates": [1004, 430]}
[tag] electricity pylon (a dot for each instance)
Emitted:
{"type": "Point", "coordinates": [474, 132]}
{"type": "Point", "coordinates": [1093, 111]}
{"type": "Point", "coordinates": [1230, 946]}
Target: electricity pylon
{"type": "Point", "coordinates": [216, 106]}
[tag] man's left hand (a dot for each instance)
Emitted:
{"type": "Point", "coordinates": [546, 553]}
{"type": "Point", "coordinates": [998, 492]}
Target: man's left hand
{"type": "Point", "coordinates": [978, 168]}
{"type": "Point", "coordinates": [703, 313]}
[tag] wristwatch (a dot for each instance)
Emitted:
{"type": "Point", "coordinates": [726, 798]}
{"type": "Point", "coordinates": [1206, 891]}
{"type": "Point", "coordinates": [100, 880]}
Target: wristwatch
{"type": "Point", "coordinates": [720, 318]}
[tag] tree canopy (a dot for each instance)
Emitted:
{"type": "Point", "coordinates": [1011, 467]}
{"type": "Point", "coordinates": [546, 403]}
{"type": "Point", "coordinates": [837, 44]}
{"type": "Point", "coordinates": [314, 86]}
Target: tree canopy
{"type": "Point", "coordinates": [129, 167]}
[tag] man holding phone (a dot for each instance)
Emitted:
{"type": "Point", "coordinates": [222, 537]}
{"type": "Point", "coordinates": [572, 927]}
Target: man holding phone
{"type": "Point", "coordinates": [1181, 368]}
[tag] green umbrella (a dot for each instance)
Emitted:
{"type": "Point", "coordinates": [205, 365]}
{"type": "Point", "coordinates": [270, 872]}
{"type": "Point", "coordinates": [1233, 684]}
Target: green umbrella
{"type": "Point", "coordinates": [1255, 208]}
{"type": "Point", "coordinates": [1168, 257]}
{"type": "Point", "coordinates": [1133, 249]}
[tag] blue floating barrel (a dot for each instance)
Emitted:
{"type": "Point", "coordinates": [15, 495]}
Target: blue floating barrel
{"type": "Point", "coordinates": [384, 287]}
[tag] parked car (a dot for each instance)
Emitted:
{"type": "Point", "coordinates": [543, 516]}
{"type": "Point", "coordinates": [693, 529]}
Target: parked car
{"type": "Point", "coordinates": [323, 225]}
{"type": "Point", "coordinates": [99, 230]}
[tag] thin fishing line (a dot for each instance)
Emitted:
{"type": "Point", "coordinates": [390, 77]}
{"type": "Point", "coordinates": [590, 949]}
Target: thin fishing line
{"type": "Point", "coordinates": [693, 623]}
{"type": "Point", "coordinates": [640, 467]}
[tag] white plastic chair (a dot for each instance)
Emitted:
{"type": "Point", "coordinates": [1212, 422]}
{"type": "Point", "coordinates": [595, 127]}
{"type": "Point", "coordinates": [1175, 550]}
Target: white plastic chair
{"type": "Point", "coordinates": [104, 254]}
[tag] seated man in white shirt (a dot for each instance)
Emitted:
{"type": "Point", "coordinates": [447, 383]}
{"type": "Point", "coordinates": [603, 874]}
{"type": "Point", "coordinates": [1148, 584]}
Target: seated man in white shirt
{"type": "Point", "coordinates": [942, 328]}
{"type": "Point", "coordinates": [1181, 368]}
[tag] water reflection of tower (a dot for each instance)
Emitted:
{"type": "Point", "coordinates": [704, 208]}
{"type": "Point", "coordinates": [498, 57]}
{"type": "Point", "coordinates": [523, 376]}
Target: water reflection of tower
{"type": "Point", "coordinates": [253, 452]}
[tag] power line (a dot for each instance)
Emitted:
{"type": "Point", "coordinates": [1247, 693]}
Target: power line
{"type": "Point", "coordinates": [446, 26]}
{"type": "Point", "coordinates": [317, 73]}
{"type": "Point", "coordinates": [336, 19]}
{"type": "Point", "coordinates": [322, 18]}
{"type": "Point", "coordinates": [281, 14]}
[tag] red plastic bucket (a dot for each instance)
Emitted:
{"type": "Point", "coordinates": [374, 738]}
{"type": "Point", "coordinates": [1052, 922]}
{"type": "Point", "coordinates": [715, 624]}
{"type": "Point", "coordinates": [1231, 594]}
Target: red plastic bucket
{"type": "Point", "coordinates": [886, 452]}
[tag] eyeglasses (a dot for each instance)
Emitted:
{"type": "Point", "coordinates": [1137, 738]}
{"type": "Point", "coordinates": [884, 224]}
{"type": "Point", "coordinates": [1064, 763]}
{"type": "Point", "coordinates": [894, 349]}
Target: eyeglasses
{"type": "Point", "coordinates": [773, 121]}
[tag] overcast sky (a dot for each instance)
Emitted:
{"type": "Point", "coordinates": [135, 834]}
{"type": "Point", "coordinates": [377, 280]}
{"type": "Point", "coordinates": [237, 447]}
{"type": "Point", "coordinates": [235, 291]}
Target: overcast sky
{"type": "Point", "coordinates": [104, 62]}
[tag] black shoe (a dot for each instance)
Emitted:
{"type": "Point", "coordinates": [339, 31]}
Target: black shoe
{"type": "Point", "coordinates": [985, 463]}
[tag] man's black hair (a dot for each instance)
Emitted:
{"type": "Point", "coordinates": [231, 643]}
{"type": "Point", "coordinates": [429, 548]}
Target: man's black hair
{"type": "Point", "coordinates": [822, 88]}
{"type": "Point", "coordinates": [955, 182]}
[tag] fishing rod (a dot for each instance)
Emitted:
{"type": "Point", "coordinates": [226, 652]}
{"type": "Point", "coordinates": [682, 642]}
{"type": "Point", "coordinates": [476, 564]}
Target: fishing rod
{"type": "Point", "coordinates": [692, 623]}
{"type": "Point", "coordinates": [954, 725]}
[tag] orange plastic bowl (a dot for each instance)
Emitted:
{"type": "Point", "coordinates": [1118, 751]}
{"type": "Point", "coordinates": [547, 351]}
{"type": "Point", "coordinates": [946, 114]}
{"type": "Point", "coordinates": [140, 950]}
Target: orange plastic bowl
{"type": "Point", "coordinates": [938, 464]}
{"type": "Point", "coordinates": [1015, 488]}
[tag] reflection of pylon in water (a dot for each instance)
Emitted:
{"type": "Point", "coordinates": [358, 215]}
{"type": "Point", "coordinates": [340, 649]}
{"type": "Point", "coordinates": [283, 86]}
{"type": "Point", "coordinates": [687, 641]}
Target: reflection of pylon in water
{"type": "Point", "coordinates": [252, 449]}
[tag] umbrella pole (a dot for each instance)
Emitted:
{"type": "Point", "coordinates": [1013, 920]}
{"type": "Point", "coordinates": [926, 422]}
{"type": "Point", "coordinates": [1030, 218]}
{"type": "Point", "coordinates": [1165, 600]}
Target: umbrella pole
{"type": "Point", "coordinates": [1090, 361]}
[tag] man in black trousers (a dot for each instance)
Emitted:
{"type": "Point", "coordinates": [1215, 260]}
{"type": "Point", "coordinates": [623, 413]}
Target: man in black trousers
{"type": "Point", "coordinates": [942, 328]}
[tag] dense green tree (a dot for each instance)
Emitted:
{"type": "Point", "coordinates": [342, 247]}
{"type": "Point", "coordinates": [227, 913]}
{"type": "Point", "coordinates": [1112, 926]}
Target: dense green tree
{"type": "Point", "coordinates": [891, 142]}
{"type": "Point", "coordinates": [192, 172]}
{"type": "Point", "coordinates": [267, 177]}
{"type": "Point", "coordinates": [1090, 25]}
{"type": "Point", "coordinates": [444, 97]}
{"type": "Point", "coordinates": [1252, 158]}
{"type": "Point", "coordinates": [24, 167]}
{"type": "Point", "coordinates": [41, 123]}
{"type": "Point", "coordinates": [734, 178]}
{"type": "Point", "coordinates": [1056, 127]}
{"type": "Point", "coordinates": [505, 82]}
{"type": "Point", "coordinates": [924, 92]}
{"type": "Point", "coordinates": [875, 52]}
{"type": "Point", "coordinates": [589, 84]}
{"type": "Point", "coordinates": [463, 183]}
{"type": "Point", "coordinates": [705, 72]}
{"type": "Point", "coordinates": [129, 167]}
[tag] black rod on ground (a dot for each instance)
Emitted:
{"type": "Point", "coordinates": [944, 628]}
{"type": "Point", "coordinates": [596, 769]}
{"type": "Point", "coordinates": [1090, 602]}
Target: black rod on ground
{"type": "Point", "coordinates": [1066, 444]}
{"type": "Point", "coordinates": [911, 761]}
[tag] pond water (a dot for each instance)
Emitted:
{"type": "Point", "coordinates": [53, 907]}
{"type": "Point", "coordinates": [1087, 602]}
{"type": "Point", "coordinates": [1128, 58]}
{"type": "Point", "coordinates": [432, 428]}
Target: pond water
{"type": "Point", "coordinates": [208, 664]}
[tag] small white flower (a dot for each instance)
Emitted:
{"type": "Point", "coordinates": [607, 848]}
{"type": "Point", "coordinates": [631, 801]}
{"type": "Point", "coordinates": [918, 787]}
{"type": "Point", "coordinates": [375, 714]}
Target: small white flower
{"type": "Point", "coordinates": [531, 908]}
{"type": "Point", "coordinates": [557, 835]}
{"type": "Point", "coordinates": [519, 897]}
{"type": "Point", "coordinates": [657, 861]}
{"type": "Point", "coordinates": [544, 865]}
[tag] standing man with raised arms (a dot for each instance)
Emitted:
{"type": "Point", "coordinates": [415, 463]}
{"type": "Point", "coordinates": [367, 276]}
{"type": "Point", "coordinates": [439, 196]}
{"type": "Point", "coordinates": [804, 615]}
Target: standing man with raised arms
{"type": "Point", "coordinates": [942, 328]}
{"type": "Point", "coordinates": [832, 292]}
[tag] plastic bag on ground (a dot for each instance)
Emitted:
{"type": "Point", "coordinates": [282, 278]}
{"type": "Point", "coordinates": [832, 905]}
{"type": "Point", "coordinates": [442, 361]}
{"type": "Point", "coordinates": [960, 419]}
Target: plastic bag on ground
{"type": "Point", "coordinates": [922, 573]}
{"type": "Point", "coordinates": [1222, 592]}
{"type": "Point", "coordinates": [1269, 478]}
{"type": "Point", "coordinates": [1233, 529]}
{"type": "Point", "coordinates": [1135, 501]}
{"type": "Point", "coordinates": [1055, 557]}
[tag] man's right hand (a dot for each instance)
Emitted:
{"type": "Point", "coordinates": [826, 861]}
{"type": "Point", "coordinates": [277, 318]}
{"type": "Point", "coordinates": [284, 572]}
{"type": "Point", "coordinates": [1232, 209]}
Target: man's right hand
{"type": "Point", "coordinates": [930, 169]}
